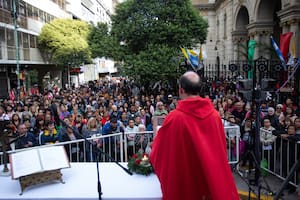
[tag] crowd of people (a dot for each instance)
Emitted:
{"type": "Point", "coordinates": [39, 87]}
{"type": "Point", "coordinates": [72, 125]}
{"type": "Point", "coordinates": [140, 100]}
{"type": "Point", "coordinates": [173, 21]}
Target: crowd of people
{"type": "Point", "coordinates": [108, 106]}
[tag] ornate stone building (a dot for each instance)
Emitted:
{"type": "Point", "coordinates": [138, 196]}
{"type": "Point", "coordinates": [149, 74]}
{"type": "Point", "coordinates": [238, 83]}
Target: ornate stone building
{"type": "Point", "coordinates": [233, 22]}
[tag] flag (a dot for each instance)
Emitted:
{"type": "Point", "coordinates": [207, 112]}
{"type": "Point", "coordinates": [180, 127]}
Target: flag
{"type": "Point", "coordinates": [278, 52]}
{"type": "Point", "coordinates": [285, 44]}
{"type": "Point", "coordinates": [183, 50]}
{"type": "Point", "coordinates": [251, 48]}
{"type": "Point", "coordinates": [292, 53]}
{"type": "Point", "coordinates": [200, 54]}
{"type": "Point", "coordinates": [193, 58]}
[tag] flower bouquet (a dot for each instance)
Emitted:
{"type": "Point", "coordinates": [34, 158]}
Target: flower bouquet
{"type": "Point", "coordinates": [139, 163]}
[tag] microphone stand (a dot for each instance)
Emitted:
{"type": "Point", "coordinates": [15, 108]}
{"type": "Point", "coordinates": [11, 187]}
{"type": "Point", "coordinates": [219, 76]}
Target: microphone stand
{"type": "Point", "coordinates": [96, 150]}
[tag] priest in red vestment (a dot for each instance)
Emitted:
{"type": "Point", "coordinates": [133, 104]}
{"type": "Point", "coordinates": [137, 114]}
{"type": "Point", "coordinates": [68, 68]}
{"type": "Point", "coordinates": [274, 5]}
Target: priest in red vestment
{"type": "Point", "coordinates": [189, 151]}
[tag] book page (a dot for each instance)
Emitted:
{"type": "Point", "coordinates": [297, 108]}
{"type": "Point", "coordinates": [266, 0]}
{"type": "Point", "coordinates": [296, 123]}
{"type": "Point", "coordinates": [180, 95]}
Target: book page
{"type": "Point", "coordinates": [24, 163]}
{"type": "Point", "coordinates": [53, 158]}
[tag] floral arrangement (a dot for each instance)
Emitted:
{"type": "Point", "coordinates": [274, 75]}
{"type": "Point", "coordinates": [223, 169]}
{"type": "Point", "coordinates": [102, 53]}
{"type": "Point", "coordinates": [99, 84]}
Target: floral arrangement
{"type": "Point", "coordinates": [139, 163]}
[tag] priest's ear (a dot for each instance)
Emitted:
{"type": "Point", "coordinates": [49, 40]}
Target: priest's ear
{"type": "Point", "coordinates": [181, 90]}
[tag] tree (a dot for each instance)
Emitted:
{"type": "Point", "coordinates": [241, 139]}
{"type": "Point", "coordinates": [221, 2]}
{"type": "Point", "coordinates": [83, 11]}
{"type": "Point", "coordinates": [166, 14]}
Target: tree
{"type": "Point", "coordinates": [146, 36]}
{"type": "Point", "coordinates": [64, 41]}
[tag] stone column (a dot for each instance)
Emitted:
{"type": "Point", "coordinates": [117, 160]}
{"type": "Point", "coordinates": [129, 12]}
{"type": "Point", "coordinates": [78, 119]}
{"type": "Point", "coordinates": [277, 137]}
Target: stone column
{"type": "Point", "coordinates": [295, 28]}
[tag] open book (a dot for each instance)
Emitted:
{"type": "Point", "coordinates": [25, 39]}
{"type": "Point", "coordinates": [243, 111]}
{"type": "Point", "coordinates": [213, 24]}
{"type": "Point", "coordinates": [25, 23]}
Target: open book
{"type": "Point", "coordinates": [37, 160]}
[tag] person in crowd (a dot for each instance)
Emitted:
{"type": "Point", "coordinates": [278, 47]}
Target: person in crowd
{"type": "Point", "coordinates": [288, 104]}
{"type": "Point", "coordinates": [114, 112]}
{"type": "Point", "coordinates": [267, 137]}
{"type": "Point", "coordinates": [63, 112]}
{"type": "Point", "coordinates": [279, 113]}
{"type": "Point", "coordinates": [73, 150]}
{"type": "Point", "coordinates": [79, 122]}
{"type": "Point", "coordinates": [50, 135]}
{"type": "Point", "coordinates": [3, 115]}
{"type": "Point", "coordinates": [92, 129]}
{"type": "Point", "coordinates": [9, 111]}
{"type": "Point", "coordinates": [39, 127]}
{"type": "Point", "coordinates": [105, 118]}
{"type": "Point", "coordinates": [16, 121]}
{"type": "Point", "coordinates": [131, 131]}
{"type": "Point", "coordinates": [289, 112]}
{"type": "Point", "coordinates": [26, 138]}
{"type": "Point", "coordinates": [112, 145]}
{"type": "Point", "coordinates": [131, 114]}
{"type": "Point", "coordinates": [19, 109]}
{"type": "Point", "coordinates": [297, 125]}
{"type": "Point", "coordinates": [239, 112]}
{"type": "Point", "coordinates": [273, 118]}
{"type": "Point", "coordinates": [264, 108]}
{"type": "Point", "coordinates": [288, 153]}
{"type": "Point", "coordinates": [160, 110]}
{"type": "Point", "coordinates": [193, 123]}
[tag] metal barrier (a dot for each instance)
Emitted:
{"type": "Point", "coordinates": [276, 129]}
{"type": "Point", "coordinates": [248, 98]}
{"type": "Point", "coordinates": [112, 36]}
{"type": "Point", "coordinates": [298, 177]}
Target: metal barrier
{"type": "Point", "coordinates": [120, 148]}
{"type": "Point", "coordinates": [232, 133]}
{"type": "Point", "coordinates": [281, 157]}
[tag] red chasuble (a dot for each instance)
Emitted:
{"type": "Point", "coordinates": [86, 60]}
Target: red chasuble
{"type": "Point", "coordinates": [189, 154]}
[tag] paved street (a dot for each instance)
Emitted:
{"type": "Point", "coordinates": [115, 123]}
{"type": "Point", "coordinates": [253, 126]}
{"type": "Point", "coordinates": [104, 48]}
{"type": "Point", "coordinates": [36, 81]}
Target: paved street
{"type": "Point", "coordinates": [273, 182]}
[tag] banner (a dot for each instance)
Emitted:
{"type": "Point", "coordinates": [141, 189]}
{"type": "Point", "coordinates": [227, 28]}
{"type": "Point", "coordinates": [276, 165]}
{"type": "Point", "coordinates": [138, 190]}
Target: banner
{"type": "Point", "coordinates": [251, 50]}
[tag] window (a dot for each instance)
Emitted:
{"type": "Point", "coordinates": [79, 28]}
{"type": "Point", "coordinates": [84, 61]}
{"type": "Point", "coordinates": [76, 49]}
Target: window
{"type": "Point", "coordinates": [2, 35]}
{"type": "Point", "coordinates": [29, 10]}
{"type": "Point", "coordinates": [21, 8]}
{"type": "Point", "coordinates": [32, 41]}
{"type": "Point", "coordinates": [10, 37]}
{"type": "Point", "coordinates": [25, 40]}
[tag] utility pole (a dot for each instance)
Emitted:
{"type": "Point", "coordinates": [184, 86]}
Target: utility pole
{"type": "Point", "coordinates": [15, 16]}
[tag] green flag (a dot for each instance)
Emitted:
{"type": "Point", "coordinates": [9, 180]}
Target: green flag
{"type": "Point", "coordinates": [251, 48]}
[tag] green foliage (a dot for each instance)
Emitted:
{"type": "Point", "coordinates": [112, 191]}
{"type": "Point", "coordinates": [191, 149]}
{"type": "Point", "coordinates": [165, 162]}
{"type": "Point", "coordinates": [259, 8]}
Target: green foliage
{"type": "Point", "coordinates": [33, 76]}
{"type": "Point", "coordinates": [64, 41]}
{"type": "Point", "coordinates": [101, 44]}
{"type": "Point", "coordinates": [146, 36]}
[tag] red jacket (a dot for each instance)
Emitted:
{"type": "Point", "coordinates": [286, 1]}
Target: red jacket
{"type": "Point", "coordinates": [189, 154]}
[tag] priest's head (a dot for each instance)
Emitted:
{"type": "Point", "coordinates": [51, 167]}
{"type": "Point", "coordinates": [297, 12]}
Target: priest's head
{"type": "Point", "coordinates": [189, 85]}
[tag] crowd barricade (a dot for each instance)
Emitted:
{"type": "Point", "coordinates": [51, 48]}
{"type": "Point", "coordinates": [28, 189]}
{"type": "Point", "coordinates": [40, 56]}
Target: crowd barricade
{"type": "Point", "coordinates": [118, 147]}
{"type": "Point", "coordinates": [232, 134]}
{"type": "Point", "coordinates": [280, 158]}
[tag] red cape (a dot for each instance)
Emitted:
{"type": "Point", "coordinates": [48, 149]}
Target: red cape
{"type": "Point", "coordinates": [189, 154]}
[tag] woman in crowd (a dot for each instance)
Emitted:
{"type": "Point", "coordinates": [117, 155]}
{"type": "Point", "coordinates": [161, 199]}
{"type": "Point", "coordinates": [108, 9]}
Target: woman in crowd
{"type": "Point", "coordinates": [73, 149]}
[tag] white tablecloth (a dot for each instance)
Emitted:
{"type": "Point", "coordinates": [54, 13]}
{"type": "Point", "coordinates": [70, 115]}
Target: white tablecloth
{"type": "Point", "coordinates": [81, 183]}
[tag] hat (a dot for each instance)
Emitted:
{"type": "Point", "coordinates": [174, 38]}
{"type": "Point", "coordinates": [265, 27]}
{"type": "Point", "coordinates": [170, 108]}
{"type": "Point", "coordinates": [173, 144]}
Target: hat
{"type": "Point", "coordinates": [279, 106]}
{"type": "Point", "coordinates": [170, 96]}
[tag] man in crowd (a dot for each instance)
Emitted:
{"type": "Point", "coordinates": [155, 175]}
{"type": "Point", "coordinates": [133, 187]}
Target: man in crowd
{"type": "Point", "coordinates": [27, 139]}
{"type": "Point", "coordinates": [189, 151]}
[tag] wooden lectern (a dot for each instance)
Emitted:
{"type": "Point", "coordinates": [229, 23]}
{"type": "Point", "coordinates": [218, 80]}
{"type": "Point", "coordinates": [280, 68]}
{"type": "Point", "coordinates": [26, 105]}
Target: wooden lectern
{"type": "Point", "coordinates": [38, 165]}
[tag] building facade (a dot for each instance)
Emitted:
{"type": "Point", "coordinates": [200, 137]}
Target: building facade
{"type": "Point", "coordinates": [92, 11]}
{"type": "Point", "coordinates": [30, 15]}
{"type": "Point", "coordinates": [232, 23]}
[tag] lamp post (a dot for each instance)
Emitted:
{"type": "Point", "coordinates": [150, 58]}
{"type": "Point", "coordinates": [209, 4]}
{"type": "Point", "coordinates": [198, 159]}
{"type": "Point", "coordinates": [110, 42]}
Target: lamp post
{"type": "Point", "coordinates": [15, 16]}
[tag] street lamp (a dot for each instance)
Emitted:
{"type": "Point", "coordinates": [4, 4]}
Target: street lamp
{"type": "Point", "coordinates": [15, 16]}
